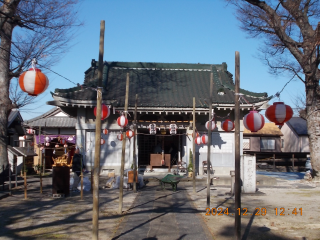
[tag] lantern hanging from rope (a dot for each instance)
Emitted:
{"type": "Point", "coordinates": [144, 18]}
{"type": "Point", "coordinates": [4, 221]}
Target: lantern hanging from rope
{"type": "Point", "coordinates": [47, 144]}
{"type": "Point", "coordinates": [213, 125]}
{"type": "Point", "coordinates": [122, 121]}
{"type": "Point", "coordinates": [227, 125]}
{"type": "Point", "coordinates": [173, 129]}
{"type": "Point", "coordinates": [253, 121]}
{"type": "Point", "coordinates": [25, 137]}
{"type": "Point", "coordinates": [47, 139]}
{"type": "Point", "coordinates": [105, 131]}
{"type": "Point", "coordinates": [198, 140]}
{"type": "Point", "coordinates": [129, 133]}
{"type": "Point", "coordinates": [102, 141]}
{"type": "Point", "coordinates": [105, 111]}
{"type": "Point", "coordinates": [33, 82]}
{"type": "Point", "coordinates": [204, 139]}
{"type": "Point", "coordinates": [57, 145]}
{"type": "Point", "coordinates": [30, 131]}
{"type": "Point", "coordinates": [152, 128]}
{"type": "Point", "coordinates": [65, 145]}
{"type": "Point", "coordinates": [279, 113]}
{"type": "Point", "coordinates": [120, 137]}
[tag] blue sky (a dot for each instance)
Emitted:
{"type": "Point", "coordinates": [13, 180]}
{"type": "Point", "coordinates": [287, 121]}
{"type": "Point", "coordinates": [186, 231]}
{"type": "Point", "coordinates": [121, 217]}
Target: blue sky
{"type": "Point", "coordinates": [171, 31]}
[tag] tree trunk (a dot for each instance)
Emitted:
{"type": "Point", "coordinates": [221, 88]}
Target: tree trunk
{"type": "Point", "coordinates": [5, 103]}
{"type": "Point", "coordinates": [313, 119]}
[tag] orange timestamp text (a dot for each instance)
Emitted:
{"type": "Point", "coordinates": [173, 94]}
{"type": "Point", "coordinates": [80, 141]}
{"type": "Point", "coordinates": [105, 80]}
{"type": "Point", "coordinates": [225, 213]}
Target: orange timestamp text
{"type": "Point", "coordinates": [257, 211]}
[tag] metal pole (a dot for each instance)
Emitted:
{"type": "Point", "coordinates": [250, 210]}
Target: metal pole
{"type": "Point", "coordinates": [209, 142]}
{"type": "Point", "coordinates": [96, 168]}
{"type": "Point", "coordinates": [237, 189]}
{"type": "Point", "coordinates": [194, 145]}
{"type": "Point", "coordinates": [123, 149]}
{"type": "Point", "coordinates": [134, 146]}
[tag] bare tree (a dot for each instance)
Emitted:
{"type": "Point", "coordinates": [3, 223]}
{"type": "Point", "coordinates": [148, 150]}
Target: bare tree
{"type": "Point", "coordinates": [29, 29]}
{"type": "Point", "coordinates": [291, 41]}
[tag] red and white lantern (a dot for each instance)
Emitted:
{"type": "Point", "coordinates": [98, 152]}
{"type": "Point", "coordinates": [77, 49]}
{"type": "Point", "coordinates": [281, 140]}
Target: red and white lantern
{"type": "Point", "coordinates": [152, 128]}
{"type": "Point", "coordinates": [253, 121]}
{"type": "Point", "coordinates": [57, 145]}
{"type": "Point", "coordinates": [105, 131]}
{"type": "Point", "coordinates": [47, 144]}
{"type": "Point", "coordinates": [227, 125]}
{"type": "Point", "coordinates": [204, 139]}
{"type": "Point", "coordinates": [33, 82]}
{"type": "Point", "coordinates": [129, 133]}
{"type": "Point", "coordinates": [65, 145]}
{"type": "Point", "coordinates": [213, 125]}
{"type": "Point", "coordinates": [102, 141]}
{"type": "Point", "coordinates": [30, 131]}
{"type": "Point", "coordinates": [25, 137]}
{"type": "Point", "coordinates": [279, 113]}
{"type": "Point", "coordinates": [63, 141]}
{"type": "Point", "coordinates": [122, 121]}
{"type": "Point", "coordinates": [198, 140]}
{"type": "Point", "coordinates": [120, 137]}
{"type": "Point", "coordinates": [105, 111]}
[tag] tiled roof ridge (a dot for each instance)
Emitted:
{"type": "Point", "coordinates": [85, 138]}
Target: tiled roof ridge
{"type": "Point", "coordinates": [42, 116]}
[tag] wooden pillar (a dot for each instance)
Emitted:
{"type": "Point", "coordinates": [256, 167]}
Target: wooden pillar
{"type": "Point", "coordinates": [123, 148]}
{"type": "Point", "coordinates": [134, 146]}
{"type": "Point", "coordinates": [96, 168]}
{"type": "Point", "coordinates": [194, 146]}
{"type": "Point", "coordinates": [237, 188]}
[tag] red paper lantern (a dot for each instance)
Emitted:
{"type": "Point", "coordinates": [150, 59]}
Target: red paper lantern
{"type": "Point", "coordinates": [129, 133]}
{"type": "Point", "coordinates": [198, 140]}
{"type": "Point", "coordinates": [253, 121]}
{"type": "Point", "coordinates": [105, 131]}
{"type": "Point", "coordinates": [30, 131]}
{"type": "Point", "coordinates": [25, 137]}
{"type": "Point", "coordinates": [47, 144]}
{"type": "Point", "coordinates": [227, 125]}
{"type": "Point", "coordinates": [204, 139]}
{"type": "Point", "coordinates": [213, 125]}
{"type": "Point", "coordinates": [102, 141]}
{"type": "Point", "coordinates": [197, 135]}
{"type": "Point", "coordinates": [47, 139]}
{"type": "Point", "coordinates": [279, 113]}
{"type": "Point", "coordinates": [57, 145]}
{"type": "Point", "coordinates": [33, 82]}
{"type": "Point", "coordinates": [105, 111]}
{"type": "Point", "coordinates": [122, 121]}
{"type": "Point", "coordinates": [120, 137]}
{"type": "Point", "coordinates": [66, 145]}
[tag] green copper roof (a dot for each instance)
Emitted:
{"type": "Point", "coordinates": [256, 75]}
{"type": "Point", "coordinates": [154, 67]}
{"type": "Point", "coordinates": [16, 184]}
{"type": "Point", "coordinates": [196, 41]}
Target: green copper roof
{"type": "Point", "coordinates": [160, 84]}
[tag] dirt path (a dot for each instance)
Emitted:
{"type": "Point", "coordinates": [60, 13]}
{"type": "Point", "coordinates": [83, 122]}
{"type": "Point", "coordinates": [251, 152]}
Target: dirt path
{"type": "Point", "coordinates": [289, 210]}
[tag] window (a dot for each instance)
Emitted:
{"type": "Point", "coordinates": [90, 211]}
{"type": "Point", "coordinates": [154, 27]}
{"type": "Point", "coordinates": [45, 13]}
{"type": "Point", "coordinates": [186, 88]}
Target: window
{"type": "Point", "coordinates": [267, 144]}
{"type": "Point", "coordinates": [246, 143]}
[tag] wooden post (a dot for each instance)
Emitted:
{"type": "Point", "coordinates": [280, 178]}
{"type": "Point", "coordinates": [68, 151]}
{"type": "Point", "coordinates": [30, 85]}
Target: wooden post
{"type": "Point", "coordinates": [209, 142]}
{"type": "Point", "coordinates": [134, 146]}
{"type": "Point", "coordinates": [292, 162]}
{"type": "Point", "coordinates": [194, 145]}
{"type": "Point", "coordinates": [274, 161]}
{"type": "Point", "coordinates": [123, 148]}
{"type": "Point", "coordinates": [9, 179]}
{"type": "Point", "coordinates": [96, 168]}
{"type": "Point", "coordinates": [40, 159]}
{"type": "Point", "coordinates": [237, 189]}
{"type": "Point", "coordinates": [25, 178]}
